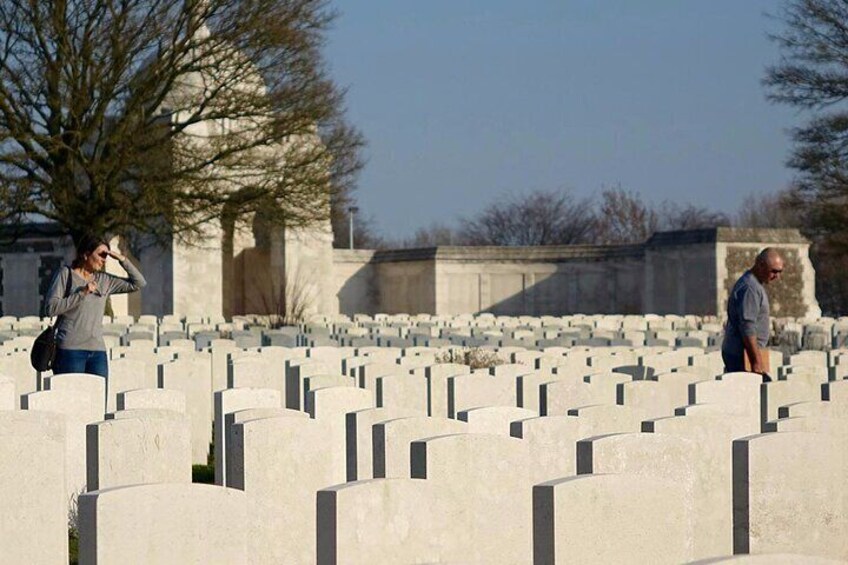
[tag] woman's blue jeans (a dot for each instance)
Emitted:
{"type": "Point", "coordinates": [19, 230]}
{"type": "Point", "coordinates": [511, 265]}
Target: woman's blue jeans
{"type": "Point", "coordinates": [80, 361]}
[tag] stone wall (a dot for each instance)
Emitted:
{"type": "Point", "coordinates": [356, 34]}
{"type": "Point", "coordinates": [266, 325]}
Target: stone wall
{"type": "Point", "coordinates": [27, 266]}
{"type": "Point", "coordinates": [793, 295]}
{"type": "Point", "coordinates": [672, 273]}
{"type": "Point", "coordinates": [687, 272]}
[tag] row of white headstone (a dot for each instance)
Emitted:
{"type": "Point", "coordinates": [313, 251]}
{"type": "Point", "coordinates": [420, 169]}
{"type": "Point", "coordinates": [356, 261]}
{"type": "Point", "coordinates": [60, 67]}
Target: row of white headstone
{"type": "Point", "coordinates": [338, 455]}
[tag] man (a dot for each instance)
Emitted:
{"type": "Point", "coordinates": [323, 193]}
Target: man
{"type": "Point", "coordinates": [747, 330]}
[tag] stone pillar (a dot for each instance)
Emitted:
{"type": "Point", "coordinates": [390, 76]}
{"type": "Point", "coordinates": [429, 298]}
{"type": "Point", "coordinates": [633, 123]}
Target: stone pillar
{"type": "Point", "coordinates": [20, 288]}
{"type": "Point", "coordinates": [791, 296]}
{"type": "Point", "coordinates": [198, 284]}
{"type": "Point", "coordinates": [306, 258]}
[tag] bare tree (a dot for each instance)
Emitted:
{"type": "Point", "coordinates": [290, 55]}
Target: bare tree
{"type": "Point", "coordinates": [538, 218]}
{"type": "Point", "coordinates": [155, 116]}
{"type": "Point", "coordinates": [434, 235]}
{"type": "Point", "coordinates": [813, 76]}
{"type": "Point", "coordinates": [624, 218]}
{"type": "Point", "coordinates": [672, 216]}
{"type": "Point", "coordinates": [771, 210]}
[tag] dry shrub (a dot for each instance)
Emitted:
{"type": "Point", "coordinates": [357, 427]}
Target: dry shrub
{"type": "Point", "coordinates": [474, 357]}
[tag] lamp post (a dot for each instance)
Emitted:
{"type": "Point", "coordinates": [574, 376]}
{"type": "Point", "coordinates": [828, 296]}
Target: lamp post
{"type": "Point", "coordinates": [350, 212]}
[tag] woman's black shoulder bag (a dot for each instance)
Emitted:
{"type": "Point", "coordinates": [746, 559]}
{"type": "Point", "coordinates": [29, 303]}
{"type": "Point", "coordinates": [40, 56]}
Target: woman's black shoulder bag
{"type": "Point", "coordinates": [43, 350]}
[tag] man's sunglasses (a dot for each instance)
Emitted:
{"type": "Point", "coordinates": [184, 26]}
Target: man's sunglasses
{"type": "Point", "coordinates": [776, 271]}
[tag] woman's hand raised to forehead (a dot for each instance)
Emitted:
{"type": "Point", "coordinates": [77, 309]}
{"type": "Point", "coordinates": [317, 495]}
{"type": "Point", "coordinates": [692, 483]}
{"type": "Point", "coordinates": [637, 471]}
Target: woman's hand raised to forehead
{"type": "Point", "coordinates": [115, 255]}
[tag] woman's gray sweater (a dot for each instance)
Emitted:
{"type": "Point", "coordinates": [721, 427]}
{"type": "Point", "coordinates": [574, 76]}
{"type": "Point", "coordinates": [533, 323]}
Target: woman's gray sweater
{"type": "Point", "coordinates": [81, 325]}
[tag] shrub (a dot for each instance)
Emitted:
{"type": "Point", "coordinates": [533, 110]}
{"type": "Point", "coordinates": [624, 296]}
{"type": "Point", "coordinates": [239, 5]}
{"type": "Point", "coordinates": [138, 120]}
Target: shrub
{"type": "Point", "coordinates": [474, 357]}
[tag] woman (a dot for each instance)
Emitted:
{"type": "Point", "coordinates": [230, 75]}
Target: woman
{"type": "Point", "coordinates": [79, 331]}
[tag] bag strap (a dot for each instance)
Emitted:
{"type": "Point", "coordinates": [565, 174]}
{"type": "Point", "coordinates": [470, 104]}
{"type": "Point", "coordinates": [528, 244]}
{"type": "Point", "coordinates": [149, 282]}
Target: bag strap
{"type": "Point", "coordinates": [65, 295]}
{"type": "Point", "coordinates": [68, 283]}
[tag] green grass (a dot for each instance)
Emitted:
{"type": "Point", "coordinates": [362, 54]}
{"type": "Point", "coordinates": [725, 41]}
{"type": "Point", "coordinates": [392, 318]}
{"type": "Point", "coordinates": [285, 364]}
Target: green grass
{"type": "Point", "coordinates": [203, 474]}
{"type": "Point", "coordinates": [73, 547]}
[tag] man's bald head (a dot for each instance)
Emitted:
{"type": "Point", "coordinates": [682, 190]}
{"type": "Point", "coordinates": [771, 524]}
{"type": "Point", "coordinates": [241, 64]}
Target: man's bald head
{"type": "Point", "coordinates": [768, 265]}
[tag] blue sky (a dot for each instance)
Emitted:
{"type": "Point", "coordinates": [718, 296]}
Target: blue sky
{"type": "Point", "coordinates": [465, 101]}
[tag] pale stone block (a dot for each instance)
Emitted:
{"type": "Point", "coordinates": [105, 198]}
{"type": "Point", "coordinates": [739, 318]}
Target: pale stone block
{"type": "Point", "coordinates": [324, 381]}
{"type": "Point", "coordinates": [527, 387]}
{"type": "Point", "coordinates": [775, 394]}
{"type": "Point", "coordinates": [712, 433]}
{"type": "Point", "coordinates": [789, 494]}
{"type": "Point", "coordinates": [383, 521]}
{"type": "Point", "coordinates": [219, 352]}
{"type": "Point", "coordinates": [659, 396]}
{"type": "Point", "coordinates": [705, 372]}
{"type": "Point", "coordinates": [144, 413]}
{"type": "Point", "coordinates": [17, 366]}
{"type": "Point", "coordinates": [812, 373]}
{"type": "Point", "coordinates": [742, 425]}
{"type": "Point", "coordinates": [248, 414]}
{"type": "Point", "coordinates": [391, 440]}
{"type": "Point", "coordinates": [366, 375]}
{"type": "Point", "coordinates": [280, 463]}
{"type": "Point", "coordinates": [128, 374]}
{"type": "Point", "coordinates": [484, 476]}
{"type": "Point", "coordinates": [403, 392]}
{"type": "Point", "coordinates": [526, 358]}
{"type": "Point", "coordinates": [510, 370]}
{"type": "Point", "coordinates": [33, 494]}
{"type": "Point", "coordinates": [8, 397]}
{"type": "Point", "coordinates": [496, 420]}
{"type": "Point", "coordinates": [386, 354]}
{"type": "Point", "coordinates": [182, 344]}
{"type": "Point", "coordinates": [737, 394]}
{"type": "Point", "coordinates": [476, 390]}
{"type": "Point", "coordinates": [296, 371]}
{"type": "Point", "coordinates": [233, 400]}
{"type": "Point", "coordinates": [552, 441]}
{"type": "Point", "coordinates": [149, 360]}
{"type": "Point", "coordinates": [816, 424]}
{"type": "Point", "coordinates": [809, 358]}
{"type": "Point", "coordinates": [619, 518]}
{"type": "Point", "coordinates": [359, 439]}
{"type": "Point", "coordinates": [815, 409]}
{"type": "Point", "coordinates": [598, 419]}
{"type": "Point", "coordinates": [556, 398]}
{"type": "Point", "coordinates": [193, 377]}
{"type": "Point", "coordinates": [330, 356]}
{"type": "Point", "coordinates": [773, 559]}
{"type": "Point", "coordinates": [160, 398]}
{"type": "Point", "coordinates": [82, 399]}
{"type": "Point", "coordinates": [664, 362]}
{"type": "Point", "coordinates": [836, 392]}
{"type": "Point", "coordinates": [165, 353]}
{"type": "Point", "coordinates": [713, 360]}
{"type": "Point", "coordinates": [329, 407]}
{"type": "Point", "coordinates": [437, 386]}
{"type": "Point", "coordinates": [608, 362]}
{"type": "Point", "coordinates": [256, 372]}
{"type": "Point", "coordinates": [351, 364]}
{"type": "Point", "coordinates": [650, 396]}
{"type": "Point", "coordinates": [164, 524]}
{"type": "Point", "coordinates": [139, 450]}
{"type": "Point", "coordinates": [410, 363]}
{"type": "Point", "coordinates": [562, 355]}
{"type": "Point", "coordinates": [655, 455]}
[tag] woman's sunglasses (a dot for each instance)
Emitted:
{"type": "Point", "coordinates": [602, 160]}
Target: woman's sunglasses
{"type": "Point", "coordinates": [103, 254]}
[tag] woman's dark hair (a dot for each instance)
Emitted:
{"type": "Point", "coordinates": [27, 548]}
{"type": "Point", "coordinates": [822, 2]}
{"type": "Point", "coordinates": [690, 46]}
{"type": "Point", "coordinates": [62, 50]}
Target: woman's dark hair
{"type": "Point", "coordinates": [85, 246]}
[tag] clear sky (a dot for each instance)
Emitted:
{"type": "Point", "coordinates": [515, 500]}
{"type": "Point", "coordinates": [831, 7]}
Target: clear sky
{"type": "Point", "coordinates": [463, 101]}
